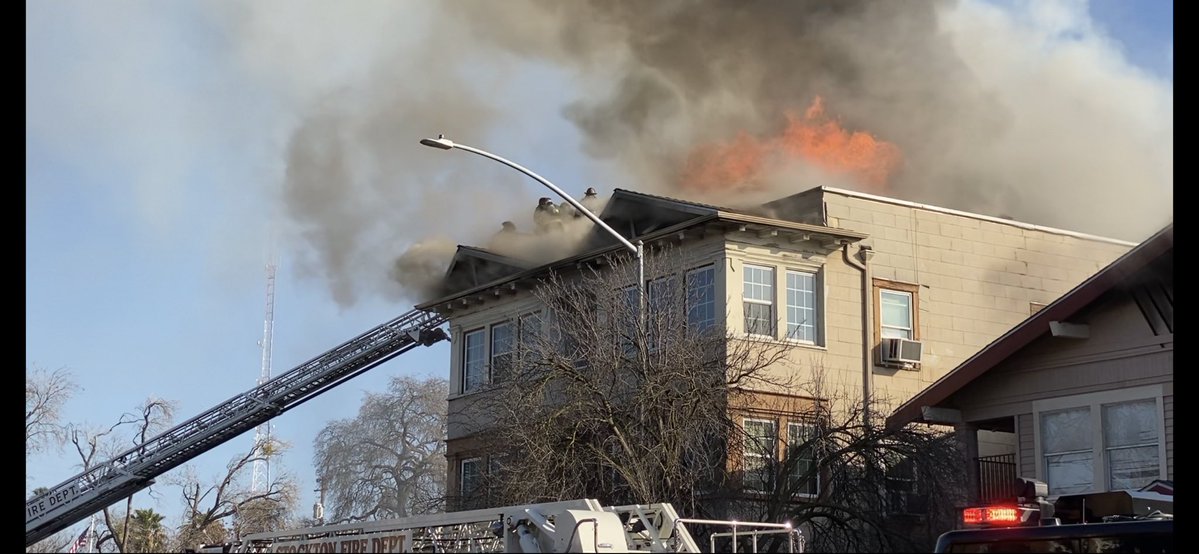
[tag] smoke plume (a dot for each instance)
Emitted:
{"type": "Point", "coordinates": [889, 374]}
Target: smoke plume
{"type": "Point", "coordinates": [1031, 113]}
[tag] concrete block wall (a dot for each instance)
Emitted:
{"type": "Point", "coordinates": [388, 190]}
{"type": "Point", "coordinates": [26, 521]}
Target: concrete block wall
{"type": "Point", "coordinates": [977, 276]}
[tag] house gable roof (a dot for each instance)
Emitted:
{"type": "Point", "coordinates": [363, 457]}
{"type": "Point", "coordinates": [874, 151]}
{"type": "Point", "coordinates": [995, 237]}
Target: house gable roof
{"type": "Point", "coordinates": [473, 266]}
{"type": "Point", "coordinates": [1035, 326]}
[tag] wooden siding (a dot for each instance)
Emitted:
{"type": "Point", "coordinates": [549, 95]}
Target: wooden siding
{"type": "Point", "coordinates": [1168, 408]}
{"type": "Point", "coordinates": [1027, 465]}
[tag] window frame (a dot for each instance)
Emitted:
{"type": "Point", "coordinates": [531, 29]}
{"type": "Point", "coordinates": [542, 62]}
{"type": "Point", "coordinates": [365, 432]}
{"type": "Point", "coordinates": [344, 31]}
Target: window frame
{"type": "Point", "coordinates": [770, 304]}
{"type": "Point", "coordinates": [1096, 402]}
{"type": "Point", "coordinates": [708, 322]}
{"type": "Point", "coordinates": [492, 365]}
{"type": "Point", "coordinates": [769, 455]}
{"type": "Point", "coordinates": [880, 285]}
{"type": "Point", "coordinates": [817, 307]}
{"type": "Point", "coordinates": [464, 369]}
{"type": "Point", "coordinates": [814, 460]}
{"type": "Point", "coordinates": [477, 461]}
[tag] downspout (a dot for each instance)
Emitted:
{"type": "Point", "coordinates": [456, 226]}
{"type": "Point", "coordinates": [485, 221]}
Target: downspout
{"type": "Point", "coordinates": [865, 252]}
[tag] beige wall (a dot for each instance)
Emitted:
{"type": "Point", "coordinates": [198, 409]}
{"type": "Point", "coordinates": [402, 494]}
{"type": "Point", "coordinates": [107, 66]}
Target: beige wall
{"type": "Point", "coordinates": [975, 280]}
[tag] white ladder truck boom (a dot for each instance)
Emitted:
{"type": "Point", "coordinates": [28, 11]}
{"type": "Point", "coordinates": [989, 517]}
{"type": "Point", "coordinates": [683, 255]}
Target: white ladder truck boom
{"type": "Point", "coordinates": [135, 469]}
{"type": "Point", "coordinates": [565, 526]}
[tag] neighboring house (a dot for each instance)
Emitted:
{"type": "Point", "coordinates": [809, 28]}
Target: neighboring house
{"type": "Point", "coordinates": [881, 295]}
{"type": "Point", "coordinates": [1083, 389]}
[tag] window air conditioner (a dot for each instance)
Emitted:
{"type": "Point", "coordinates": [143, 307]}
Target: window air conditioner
{"type": "Point", "coordinates": [901, 351]}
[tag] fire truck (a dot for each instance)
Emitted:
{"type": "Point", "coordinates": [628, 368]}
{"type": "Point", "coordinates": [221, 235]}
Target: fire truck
{"type": "Point", "coordinates": [566, 526]}
{"type": "Point", "coordinates": [1116, 521]}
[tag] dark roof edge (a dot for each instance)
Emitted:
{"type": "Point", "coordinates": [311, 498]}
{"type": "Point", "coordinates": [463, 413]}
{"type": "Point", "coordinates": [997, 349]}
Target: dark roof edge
{"type": "Point", "coordinates": [840, 234]}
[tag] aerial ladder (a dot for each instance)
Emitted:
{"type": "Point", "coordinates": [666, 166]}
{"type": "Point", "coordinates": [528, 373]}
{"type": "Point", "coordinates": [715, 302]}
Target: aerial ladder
{"type": "Point", "coordinates": [582, 525]}
{"type": "Point", "coordinates": [135, 469]}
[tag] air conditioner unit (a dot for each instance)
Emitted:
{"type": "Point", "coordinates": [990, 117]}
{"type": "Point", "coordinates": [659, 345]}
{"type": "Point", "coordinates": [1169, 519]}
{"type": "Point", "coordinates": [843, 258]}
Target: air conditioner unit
{"type": "Point", "coordinates": [901, 351]}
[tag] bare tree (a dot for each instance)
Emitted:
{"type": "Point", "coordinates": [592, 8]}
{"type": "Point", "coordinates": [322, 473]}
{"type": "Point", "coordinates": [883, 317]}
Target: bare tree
{"type": "Point", "coordinates": [96, 445]}
{"type": "Point", "coordinates": [209, 505]}
{"type": "Point", "coordinates": [57, 542]}
{"type": "Point", "coordinates": [854, 485]}
{"type": "Point", "coordinates": [45, 394]}
{"type": "Point", "coordinates": [389, 460]}
{"type": "Point", "coordinates": [603, 399]}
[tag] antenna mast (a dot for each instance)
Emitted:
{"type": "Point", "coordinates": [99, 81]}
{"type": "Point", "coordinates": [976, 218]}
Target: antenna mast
{"type": "Point", "coordinates": [262, 434]}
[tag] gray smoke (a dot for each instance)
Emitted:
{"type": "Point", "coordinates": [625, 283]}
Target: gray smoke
{"type": "Point", "coordinates": [1034, 115]}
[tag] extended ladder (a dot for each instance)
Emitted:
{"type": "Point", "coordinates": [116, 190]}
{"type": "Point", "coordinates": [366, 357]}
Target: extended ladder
{"type": "Point", "coordinates": [135, 469]}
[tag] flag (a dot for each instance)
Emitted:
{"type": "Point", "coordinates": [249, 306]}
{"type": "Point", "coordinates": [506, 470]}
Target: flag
{"type": "Point", "coordinates": [83, 543]}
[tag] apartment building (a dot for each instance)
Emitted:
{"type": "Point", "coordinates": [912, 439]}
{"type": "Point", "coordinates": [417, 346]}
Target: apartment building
{"type": "Point", "coordinates": [875, 296]}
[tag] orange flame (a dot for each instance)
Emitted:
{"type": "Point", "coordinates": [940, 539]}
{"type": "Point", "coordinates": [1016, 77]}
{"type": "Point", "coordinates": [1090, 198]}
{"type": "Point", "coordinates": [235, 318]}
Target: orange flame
{"type": "Point", "coordinates": [813, 138]}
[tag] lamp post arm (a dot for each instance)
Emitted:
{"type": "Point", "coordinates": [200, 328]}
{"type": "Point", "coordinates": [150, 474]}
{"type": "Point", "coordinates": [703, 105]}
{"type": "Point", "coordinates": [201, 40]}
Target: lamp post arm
{"type": "Point", "coordinates": [583, 210]}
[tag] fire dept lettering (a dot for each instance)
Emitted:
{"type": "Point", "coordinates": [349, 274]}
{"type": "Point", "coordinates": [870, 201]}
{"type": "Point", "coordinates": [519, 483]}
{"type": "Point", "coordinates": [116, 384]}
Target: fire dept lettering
{"type": "Point", "coordinates": [372, 543]}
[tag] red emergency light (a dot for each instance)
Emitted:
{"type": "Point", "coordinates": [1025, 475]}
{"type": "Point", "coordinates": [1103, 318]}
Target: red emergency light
{"type": "Point", "coordinates": [992, 515]}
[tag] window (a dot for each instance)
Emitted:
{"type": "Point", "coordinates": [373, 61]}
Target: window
{"type": "Point", "coordinates": [627, 321]}
{"type": "Point", "coordinates": [801, 459]}
{"type": "Point", "coordinates": [759, 453]}
{"type": "Point", "coordinates": [1104, 441]}
{"type": "Point", "coordinates": [472, 361]}
{"type": "Point", "coordinates": [701, 298]}
{"type": "Point", "coordinates": [1066, 448]}
{"type": "Point", "coordinates": [896, 309]}
{"type": "Point", "coordinates": [758, 300]}
{"type": "Point", "coordinates": [501, 351]}
{"type": "Point", "coordinates": [468, 482]}
{"type": "Point", "coordinates": [801, 306]}
{"type": "Point", "coordinates": [530, 329]}
{"type": "Point", "coordinates": [1130, 436]}
{"type": "Point", "coordinates": [661, 295]}
{"type": "Point", "coordinates": [902, 485]}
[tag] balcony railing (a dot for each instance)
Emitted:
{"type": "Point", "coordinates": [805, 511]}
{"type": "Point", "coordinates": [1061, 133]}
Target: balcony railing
{"type": "Point", "coordinates": [997, 477]}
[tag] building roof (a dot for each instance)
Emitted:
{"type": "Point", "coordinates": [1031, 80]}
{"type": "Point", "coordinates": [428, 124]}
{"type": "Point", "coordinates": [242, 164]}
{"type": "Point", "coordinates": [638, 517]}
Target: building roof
{"type": "Point", "coordinates": [648, 218]}
{"type": "Point", "coordinates": [1035, 326]}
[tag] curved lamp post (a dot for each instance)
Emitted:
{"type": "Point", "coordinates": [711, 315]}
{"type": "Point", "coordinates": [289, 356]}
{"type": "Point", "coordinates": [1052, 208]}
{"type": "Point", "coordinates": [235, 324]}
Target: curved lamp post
{"type": "Point", "coordinates": [637, 249]}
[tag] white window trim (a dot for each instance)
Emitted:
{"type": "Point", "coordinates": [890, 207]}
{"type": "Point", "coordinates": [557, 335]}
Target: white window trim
{"type": "Point", "coordinates": [773, 302]}
{"type": "Point", "coordinates": [490, 339]}
{"type": "Point", "coordinates": [815, 459]}
{"type": "Point", "coordinates": [687, 280]}
{"type": "Point", "coordinates": [1096, 401]}
{"type": "Point", "coordinates": [911, 328]}
{"type": "Point", "coordinates": [772, 459]}
{"type": "Point", "coordinates": [818, 296]}
{"type": "Point", "coordinates": [462, 473]}
{"type": "Point", "coordinates": [485, 361]}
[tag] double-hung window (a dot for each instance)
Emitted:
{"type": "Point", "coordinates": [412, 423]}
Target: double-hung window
{"type": "Point", "coordinates": [803, 477]}
{"type": "Point", "coordinates": [758, 300]}
{"type": "Point", "coordinates": [802, 310]}
{"type": "Point", "coordinates": [472, 360]}
{"type": "Point", "coordinates": [759, 454]}
{"type": "Point", "coordinates": [1105, 441]}
{"type": "Point", "coordinates": [501, 351]}
{"type": "Point", "coordinates": [1066, 447]}
{"type": "Point", "coordinates": [1130, 438]}
{"type": "Point", "coordinates": [896, 309]}
{"type": "Point", "coordinates": [661, 317]}
{"type": "Point", "coordinates": [470, 476]}
{"type": "Point", "coordinates": [701, 298]}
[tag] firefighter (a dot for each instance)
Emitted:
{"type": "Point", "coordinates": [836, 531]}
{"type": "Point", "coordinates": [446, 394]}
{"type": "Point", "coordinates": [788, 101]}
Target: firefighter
{"type": "Point", "coordinates": [590, 201]}
{"type": "Point", "coordinates": [545, 214]}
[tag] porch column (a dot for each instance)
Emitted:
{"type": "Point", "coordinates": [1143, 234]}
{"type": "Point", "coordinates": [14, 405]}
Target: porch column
{"type": "Point", "coordinates": [967, 437]}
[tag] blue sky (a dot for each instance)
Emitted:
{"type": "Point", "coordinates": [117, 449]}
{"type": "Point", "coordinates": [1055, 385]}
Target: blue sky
{"type": "Point", "coordinates": [157, 141]}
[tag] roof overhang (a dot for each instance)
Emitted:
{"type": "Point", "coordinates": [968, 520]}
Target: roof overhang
{"type": "Point", "coordinates": [827, 237]}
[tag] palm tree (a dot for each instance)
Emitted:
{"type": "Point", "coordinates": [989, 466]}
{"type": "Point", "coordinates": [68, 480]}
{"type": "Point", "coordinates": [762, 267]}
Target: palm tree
{"type": "Point", "coordinates": [146, 532]}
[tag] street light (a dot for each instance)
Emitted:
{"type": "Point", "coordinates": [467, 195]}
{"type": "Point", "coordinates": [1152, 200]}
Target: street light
{"type": "Point", "coordinates": [637, 249]}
